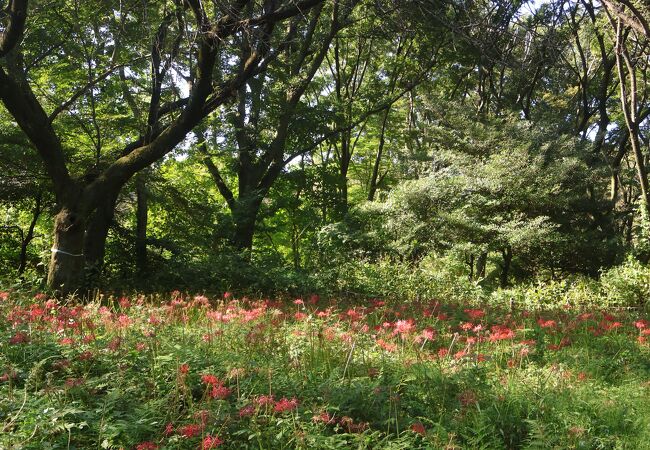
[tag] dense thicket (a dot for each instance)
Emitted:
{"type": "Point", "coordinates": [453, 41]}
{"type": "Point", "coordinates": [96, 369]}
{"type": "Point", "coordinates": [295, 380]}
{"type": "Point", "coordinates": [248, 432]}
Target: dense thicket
{"type": "Point", "coordinates": [301, 145]}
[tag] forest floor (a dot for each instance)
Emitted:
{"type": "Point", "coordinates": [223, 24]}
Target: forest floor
{"type": "Point", "coordinates": [191, 372]}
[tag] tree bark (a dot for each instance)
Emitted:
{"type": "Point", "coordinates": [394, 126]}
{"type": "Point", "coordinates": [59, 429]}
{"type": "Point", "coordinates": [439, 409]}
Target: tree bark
{"type": "Point", "coordinates": [481, 263]}
{"type": "Point", "coordinates": [374, 179]}
{"type": "Point", "coordinates": [245, 215]}
{"type": "Point", "coordinates": [95, 240]}
{"type": "Point", "coordinates": [67, 261]}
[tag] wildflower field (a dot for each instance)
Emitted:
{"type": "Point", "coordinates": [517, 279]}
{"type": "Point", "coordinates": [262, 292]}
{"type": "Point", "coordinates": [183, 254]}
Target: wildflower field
{"type": "Point", "coordinates": [192, 372]}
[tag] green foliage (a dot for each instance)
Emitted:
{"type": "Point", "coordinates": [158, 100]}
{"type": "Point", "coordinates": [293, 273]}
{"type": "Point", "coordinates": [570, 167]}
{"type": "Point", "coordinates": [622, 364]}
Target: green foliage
{"type": "Point", "coordinates": [627, 284]}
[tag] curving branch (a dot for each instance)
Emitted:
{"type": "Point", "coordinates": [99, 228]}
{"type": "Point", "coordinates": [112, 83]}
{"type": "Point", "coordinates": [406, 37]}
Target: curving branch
{"type": "Point", "coordinates": [16, 14]}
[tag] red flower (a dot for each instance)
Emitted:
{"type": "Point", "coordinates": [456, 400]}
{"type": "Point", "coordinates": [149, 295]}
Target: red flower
{"type": "Point", "coordinates": [190, 430]}
{"type": "Point", "coordinates": [474, 313]}
{"type": "Point", "coordinates": [247, 411]}
{"type": "Point", "coordinates": [184, 369]}
{"type": "Point", "coordinates": [219, 392]}
{"type": "Point", "coordinates": [285, 405]}
{"type": "Point", "coordinates": [125, 303]}
{"type": "Point", "coordinates": [19, 338]}
{"type": "Point", "coordinates": [211, 442]}
{"type": "Point", "coordinates": [641, 324]}
{"type": "Point", "coordinates": [264, 400]}
{"type": "Point", "coordinates": [169, 429]}
{"type": "Point", "coordinates": [418, 428]}
{"type": "Point", "coordinates": [546, 323]}
{"type": "Point", "coordinates": [148, 445]}
{"type": "Point", "coordinates": [500, 332]}
{"type": "Point", "coordinates": [210, 379]}
{"type": "Point", "coordinates": [323, 417]}
{"type": "Point", "coordinates": [403, 327]}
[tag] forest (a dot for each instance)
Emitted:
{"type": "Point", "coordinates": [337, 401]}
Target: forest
{"type": "Point", "coordinates": [324, 224]}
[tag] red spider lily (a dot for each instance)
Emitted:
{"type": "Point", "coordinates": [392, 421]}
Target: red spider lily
{"type": "Point", "coordinates": [418, 428]}
{"type": "Point", "coordinates": [500, 332]}
{"type": "Point", "coordinates": [641, 324]}
{"type": "Point", "coordinates": [169, 429]}
{"type": "Point", "coordinates": [466, 326]}
{"type": "Point", "coordinates": [8, 376]}
{"type": "Point", "coordinates": [247, 411]}
{"type": "Point", "coordinates": [210, 379]}
{"type": "Point", "coordinates": [72, 382]}
{"type": "Point", "coordinates": [474, 314]}
{"type": "Point", "coordinates": [124, 302]}
{"type": "Point", "coordinates": [210, 441]}
{"type": "Point", "coordinates": [85, 356]}
{"type": "Point", "coordinates": [19, 338]}
{"type": "Point", "coordinates": [190, 430]}
{"type": "Point", "coordinates": [284, 405]}
{"type": "Point", "coordinates": [389, 347]}
{"type": "Point", "coordinates": [403, 327]}
{"type": "Point", "coordinates": [299, 316]}
{"type": "Point", "coordinates": [264, 400]}
{"type": "Point", "coordinates": [323, 417]}
{"type": "Point", "coordinates": [61, 364]}
{"type": "Point", "coordinates": [610, 325]}
{"type": "Point", "coordinates": [351, 427]}
{"type": "Point", "coordinates": [608, 317]}
{"type": "Point", "coordinates": [201, 301]}
{"type": "Point", "coordinates": [114, 344]}
{"type": "Point", "coordinates": [147, 445]}
{"type": "Point", "coordinates": [4, 295]}
{"type": "Point", "coordinates": [298, 301]}
{"type": "Point", "coordinates": [443, 352]}
{"type": "Point", "coordinates": [220, 392]}
{"type": "Point", "coordinates": [546, 323]}
{"type": "Point", "coordinates": [353, 315]}
{"type": "Point", "coordinates": [184, 369]}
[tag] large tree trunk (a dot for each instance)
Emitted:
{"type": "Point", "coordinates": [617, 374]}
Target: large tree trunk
{"type": "Point", "coordinates": [245, 216]}
{"type": "Point", "coordinates": [95, 240]}
{"type": "Point", "coordinates": [67, 262]}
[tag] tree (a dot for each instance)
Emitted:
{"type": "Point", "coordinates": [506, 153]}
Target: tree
{"type": "Point", "coordinates": [203, 37]}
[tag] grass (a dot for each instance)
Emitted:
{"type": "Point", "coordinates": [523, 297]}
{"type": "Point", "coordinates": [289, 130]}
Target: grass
{"type": "Point", "coordinates": [189, 372]}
